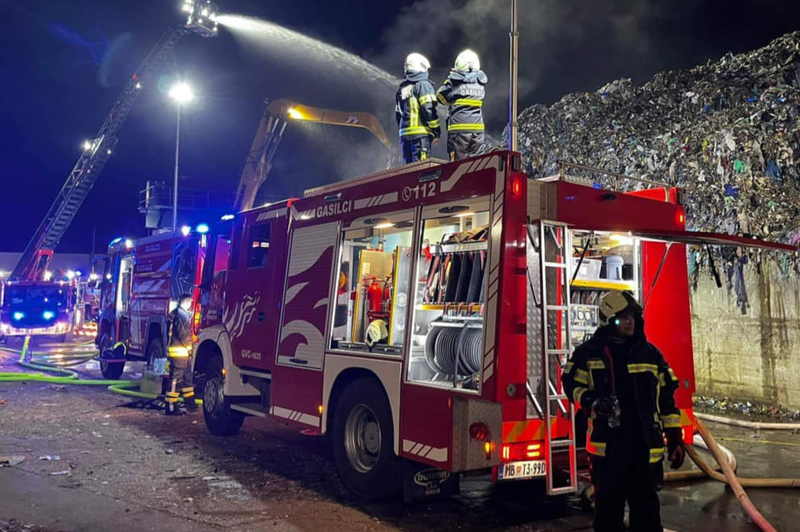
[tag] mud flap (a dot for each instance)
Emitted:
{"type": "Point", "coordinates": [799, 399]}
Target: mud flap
{"type": "Point", "coordinates": [422, 482]}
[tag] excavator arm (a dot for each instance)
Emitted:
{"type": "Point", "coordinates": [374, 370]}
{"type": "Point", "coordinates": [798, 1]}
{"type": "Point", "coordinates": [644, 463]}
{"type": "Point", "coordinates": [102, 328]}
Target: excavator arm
{"type": "Point", "coordinates": [276, 116]}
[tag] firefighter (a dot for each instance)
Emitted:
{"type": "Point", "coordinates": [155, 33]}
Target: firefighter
{"type": "Point", "coordinates": [181, 377]}
{"type": "Point", "coordinates": [625, 387]}
{"type": "Point", "coordinates": [415, 109]}
{"type": "Point", "coordinates": [463, 92]}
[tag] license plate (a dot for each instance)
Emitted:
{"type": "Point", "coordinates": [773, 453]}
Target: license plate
{"type": "Point", "coordinates": [522, 470]}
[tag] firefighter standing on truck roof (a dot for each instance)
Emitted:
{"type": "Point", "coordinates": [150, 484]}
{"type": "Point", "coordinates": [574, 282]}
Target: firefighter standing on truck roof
{"type": "Point", "coordinates": [181, 377]}
{"type": "Point", "coordinates": [625, 387]}
{"type": "Point", "coordinates": [463, 92]}
{"type": "Point", "coordinates": [415, 108]}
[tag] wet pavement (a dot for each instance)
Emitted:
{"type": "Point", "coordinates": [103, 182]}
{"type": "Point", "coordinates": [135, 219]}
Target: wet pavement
{"type": "Point", "coordinates": [135, 468]}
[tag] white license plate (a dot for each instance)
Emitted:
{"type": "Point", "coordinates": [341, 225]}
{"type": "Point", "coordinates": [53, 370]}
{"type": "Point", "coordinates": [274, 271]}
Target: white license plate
{"type": "Point", "coordinates": [522, 470]}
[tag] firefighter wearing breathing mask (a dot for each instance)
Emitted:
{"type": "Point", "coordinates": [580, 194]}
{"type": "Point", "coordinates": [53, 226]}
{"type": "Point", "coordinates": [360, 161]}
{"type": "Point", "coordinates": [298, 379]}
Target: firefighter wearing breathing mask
{"type": "Point", "coordinates": [181, 377]}
{"type": "Point", "coordinates": [625, 387]}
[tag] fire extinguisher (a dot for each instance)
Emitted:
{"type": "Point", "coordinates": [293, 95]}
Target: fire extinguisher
{"type": "Point", "coordinates": [375, 297]}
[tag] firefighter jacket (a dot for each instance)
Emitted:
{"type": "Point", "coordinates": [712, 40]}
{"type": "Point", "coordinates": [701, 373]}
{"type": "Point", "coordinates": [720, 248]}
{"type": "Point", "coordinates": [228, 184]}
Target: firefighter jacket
{"type": "Point", "coordinates": [180, 341]}
{"type": "Point", "coordinates": [463, 93]}
{"type": "Point", "coordinates": [588, 376]}
{"type": "Point", "coordinates": [415, 108]}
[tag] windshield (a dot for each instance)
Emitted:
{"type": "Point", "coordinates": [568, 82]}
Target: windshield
{"type": "Point", "coordinates": [39, 296]}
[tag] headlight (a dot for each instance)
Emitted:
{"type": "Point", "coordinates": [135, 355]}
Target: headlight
{"type": "Point", "coordinates": [48, 314]}
{"type": "Point", "coordinates": [18, 315]}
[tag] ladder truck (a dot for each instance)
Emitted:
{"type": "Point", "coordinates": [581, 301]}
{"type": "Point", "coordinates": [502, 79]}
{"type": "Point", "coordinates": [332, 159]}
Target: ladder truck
{"type": "Point", "coordinates": [29, 273]}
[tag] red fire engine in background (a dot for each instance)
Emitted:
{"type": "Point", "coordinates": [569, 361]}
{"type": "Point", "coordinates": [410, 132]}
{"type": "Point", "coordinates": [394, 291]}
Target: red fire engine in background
{"type": "Point", "coordinates": [424, 313]}
{"type": "Point", "coordinates": [142, 282]}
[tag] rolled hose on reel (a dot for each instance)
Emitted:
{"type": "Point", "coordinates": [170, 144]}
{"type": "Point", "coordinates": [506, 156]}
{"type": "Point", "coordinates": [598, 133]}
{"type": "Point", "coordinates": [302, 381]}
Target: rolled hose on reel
{"type": "Point", "coordinates": [454, 348]}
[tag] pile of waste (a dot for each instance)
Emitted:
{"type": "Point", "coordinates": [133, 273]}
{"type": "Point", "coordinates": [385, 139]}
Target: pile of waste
{"type": "Point", "coordinates": [728, 132]}
{"type": "Point", "coordinates": [726, 405]}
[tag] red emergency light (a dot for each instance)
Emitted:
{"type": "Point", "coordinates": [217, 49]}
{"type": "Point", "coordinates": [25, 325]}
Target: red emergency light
{"type": "Point", "coordinates": [514, 452]}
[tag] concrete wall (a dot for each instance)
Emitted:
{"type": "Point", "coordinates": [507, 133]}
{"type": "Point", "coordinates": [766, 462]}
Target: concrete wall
{"type": "Point", "coordinates": [747, 344]}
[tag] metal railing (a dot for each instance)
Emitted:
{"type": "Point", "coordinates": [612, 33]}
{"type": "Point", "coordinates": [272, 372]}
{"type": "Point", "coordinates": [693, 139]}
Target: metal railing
{"type": "Point", "coordinates": [617, 180]}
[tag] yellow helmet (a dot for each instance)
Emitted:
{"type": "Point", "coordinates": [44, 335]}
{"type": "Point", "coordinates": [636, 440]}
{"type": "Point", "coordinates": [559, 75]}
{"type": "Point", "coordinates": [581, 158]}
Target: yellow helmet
{"type": "Point", "coordinates": [376, 332]}
{"type": "Point", "coordinates": [615, 302]}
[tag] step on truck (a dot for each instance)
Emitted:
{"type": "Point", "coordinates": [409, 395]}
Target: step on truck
{"type": "Point", "coordinates": [422, 315]}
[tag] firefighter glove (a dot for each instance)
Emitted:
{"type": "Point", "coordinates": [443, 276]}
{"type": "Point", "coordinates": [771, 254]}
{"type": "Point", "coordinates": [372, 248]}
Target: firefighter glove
{"type": "Point", "coordinates": [603, 407]}
{"type": "Point", "coordinates": [676, 453]}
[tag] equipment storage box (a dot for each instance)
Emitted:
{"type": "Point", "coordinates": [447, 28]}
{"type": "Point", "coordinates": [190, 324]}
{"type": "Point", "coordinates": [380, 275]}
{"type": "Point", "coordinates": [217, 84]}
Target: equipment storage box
{"type": "Point", "coordinates": [589, 269]}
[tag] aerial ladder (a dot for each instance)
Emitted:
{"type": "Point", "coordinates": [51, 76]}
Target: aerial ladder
{"type": "Point", "coordinates": [276, 116]}
{"type": "Point", "coordinates": [36, 257]}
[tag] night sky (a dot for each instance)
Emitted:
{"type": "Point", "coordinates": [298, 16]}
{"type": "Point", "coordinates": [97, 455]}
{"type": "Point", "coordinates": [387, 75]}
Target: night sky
{"type": "Point", "coordinates": [64, 63]}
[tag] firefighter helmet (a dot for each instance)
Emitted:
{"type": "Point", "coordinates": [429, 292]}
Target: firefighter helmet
{"type": "Point", "coordinates": [376, 332]}
{"type": "Point", "coordinates": [467, 61]}
{"type": "Point", "coordinates": [416, 63]}
{"type": "Point", "coordinates": [616, 302]}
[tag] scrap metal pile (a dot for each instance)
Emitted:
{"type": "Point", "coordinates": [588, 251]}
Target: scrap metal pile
{"type": "Point", "coordinates": [728, 132]}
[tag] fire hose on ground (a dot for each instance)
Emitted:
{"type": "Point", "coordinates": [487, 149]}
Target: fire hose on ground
{"type": "Point", "coordinates": [748, 424]}
{"type": "Point", "coordinates": [56, 366]}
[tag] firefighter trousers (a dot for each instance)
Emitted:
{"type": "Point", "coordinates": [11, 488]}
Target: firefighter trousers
{"type": "Point", "coordinates": [416, 149]}
{"type": "Point", "coordinates": [466, 144]}
{"type": "Point", "coordinates": [620, 479]}
{"type": "Point", "coordinates": [181, 385]}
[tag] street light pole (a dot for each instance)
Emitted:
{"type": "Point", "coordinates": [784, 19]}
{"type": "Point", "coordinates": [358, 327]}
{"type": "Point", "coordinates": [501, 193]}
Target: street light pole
{"type": "Point", "coordinates": [181, 93]}
{"type": "Point", "coordinates": [175, 186]}
{"type": "Point", "coordinates": [513, 125]}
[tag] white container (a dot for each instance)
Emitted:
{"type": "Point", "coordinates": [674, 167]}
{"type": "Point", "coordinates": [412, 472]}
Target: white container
{"type": "Point", "coordinates": [589, 270]}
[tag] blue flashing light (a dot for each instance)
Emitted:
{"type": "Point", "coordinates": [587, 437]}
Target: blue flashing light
{"type": "Point", "coordinates": [227, 217]}
{"type": "Point", "coordinates": [48, 314]}
{"type": "Point", "coordinates": [115, 241]}
{"type": "Point", "coordinates": [18, 315]}
{"type": "Point", "coordinates": [202, 229]}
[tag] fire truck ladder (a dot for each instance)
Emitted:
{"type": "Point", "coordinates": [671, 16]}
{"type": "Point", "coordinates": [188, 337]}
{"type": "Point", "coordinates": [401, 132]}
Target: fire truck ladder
{"type": "Point", "coordinates": [91, 162]}
{"type": "Point", "coordinates": [555, 266]}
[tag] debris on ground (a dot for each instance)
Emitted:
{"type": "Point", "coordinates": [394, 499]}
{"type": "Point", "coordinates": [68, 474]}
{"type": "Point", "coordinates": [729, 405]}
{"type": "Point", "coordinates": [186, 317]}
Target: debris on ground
{"type": "Point", "coordinates": [50, 457]}
{"type": "Point", "coordinates": [726, 405]}
{"type": "Point", "coordinates": [11, 461]}
{"type": "Point", "coordinates": [728, 132]}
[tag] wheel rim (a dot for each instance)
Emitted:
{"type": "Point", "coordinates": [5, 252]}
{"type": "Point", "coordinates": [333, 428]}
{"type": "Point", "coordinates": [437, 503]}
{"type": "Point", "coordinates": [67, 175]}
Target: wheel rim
{"type": "Point", "coordinates": [362, 439]}
{"type": "Point", "coordinates": [212, 397]}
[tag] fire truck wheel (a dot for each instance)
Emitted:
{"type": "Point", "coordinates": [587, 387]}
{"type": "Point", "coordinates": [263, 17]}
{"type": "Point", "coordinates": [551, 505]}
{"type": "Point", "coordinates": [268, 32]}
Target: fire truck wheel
{"type": "Point", "coordinates": [110, 370]}
{"type": "Point", "coordinates": [363, 436]}
{"type": "Point", "coordinates": [155, 350]}
{"type": "Point", "coordinates": [220, 419]}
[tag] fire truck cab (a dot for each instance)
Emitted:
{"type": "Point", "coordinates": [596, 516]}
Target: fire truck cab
{"type": "Point", "coordinates": [423, 315]}
{"type": "Point", "coordinates": [37, 308]}
{"type": "Point", "coordinates": [142, 282]}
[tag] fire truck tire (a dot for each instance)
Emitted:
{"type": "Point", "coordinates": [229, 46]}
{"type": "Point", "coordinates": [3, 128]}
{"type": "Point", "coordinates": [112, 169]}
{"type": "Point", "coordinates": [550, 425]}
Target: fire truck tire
{"type": "Point", "coordinates": [362, 440]}
{"type": "Point", "coordinates": [110, 371]}
{"type": "Point", "coordinates": [155, 349]}
{"type": "Point", "coordinates": [220, 419]}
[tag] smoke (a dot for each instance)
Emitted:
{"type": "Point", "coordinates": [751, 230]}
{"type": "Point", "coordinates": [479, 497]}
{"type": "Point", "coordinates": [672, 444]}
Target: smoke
{"type": "Point", "coordinates": [563, 46]}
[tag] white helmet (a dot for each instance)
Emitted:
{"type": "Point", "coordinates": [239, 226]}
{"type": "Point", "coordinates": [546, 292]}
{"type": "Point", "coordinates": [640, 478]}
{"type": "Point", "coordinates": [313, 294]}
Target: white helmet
{"type": "Point", "coordinates": [416, 63]}
{"type": "Point", "coordinates": [466, 61]}
{"type": "Point", "coordinates": [615, 302]}
{"type": "Point", "coordinates": [376, 332]}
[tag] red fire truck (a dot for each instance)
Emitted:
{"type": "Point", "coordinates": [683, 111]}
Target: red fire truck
{"type": "Point", "coordinates": [423, 314]}
{"type": "Point", "coordinates": [142, 282]}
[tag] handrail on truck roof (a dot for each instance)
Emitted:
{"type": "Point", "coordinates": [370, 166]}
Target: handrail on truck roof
{"type": "Point", "coordinates": [378, 176]}
{"type": "Point", "coordinates": [563, 175]}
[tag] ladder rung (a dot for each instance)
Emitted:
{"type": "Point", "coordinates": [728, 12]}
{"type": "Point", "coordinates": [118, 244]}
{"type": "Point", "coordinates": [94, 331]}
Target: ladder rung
{"type": "Point", "coordinates": [562, 491]}
{"type": "Point", "coordinates": [556, 307]}
{"type": "Point", "coordinates": [558, 351]}
{"type": "Point", "coordinates": [555, 264]}
{"type": "Point", "coordinates": [557, 397]}
{"type": "Point", "coordinates": [561, 444]}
